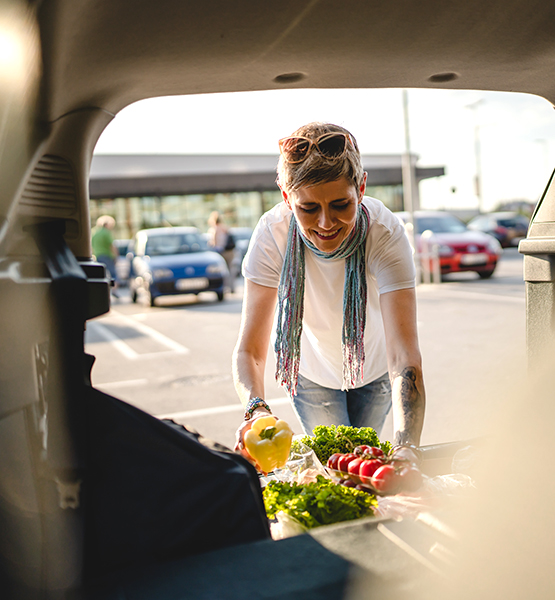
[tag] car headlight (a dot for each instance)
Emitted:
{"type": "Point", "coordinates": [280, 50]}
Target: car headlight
{"type": "Point", "coordinates": [494, 246]}
{"type": "Point", "coordinates": [215, 269]}
{"type": "Point", "coordinates": [162, 273]}
{"type": "Point", "coordinates": [444, 250]}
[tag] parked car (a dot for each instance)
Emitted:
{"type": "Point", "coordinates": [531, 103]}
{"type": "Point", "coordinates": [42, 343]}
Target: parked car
{"type": "Point", "coordinates": [507, 227]}
{"type": "Point", "coordinates": [123, 261]}
{"type": "Point", "coordinates": [459, 248]}
{"type": "Point", "coordinates": [242, 237]}
{"type": "Point", "coordinates": [174, 260]}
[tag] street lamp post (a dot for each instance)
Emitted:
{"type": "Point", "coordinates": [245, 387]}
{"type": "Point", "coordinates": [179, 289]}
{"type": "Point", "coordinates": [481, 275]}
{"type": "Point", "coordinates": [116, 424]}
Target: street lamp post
{"type": "Point", "coordinates": [477, 155]}
{"type": "Point", "coordinates": [410, 190]}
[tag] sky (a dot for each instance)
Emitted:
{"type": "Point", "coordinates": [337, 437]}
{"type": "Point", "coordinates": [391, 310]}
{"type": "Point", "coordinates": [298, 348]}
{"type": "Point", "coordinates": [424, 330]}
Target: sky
{"type": "Point", "coordinates": [515, 132]}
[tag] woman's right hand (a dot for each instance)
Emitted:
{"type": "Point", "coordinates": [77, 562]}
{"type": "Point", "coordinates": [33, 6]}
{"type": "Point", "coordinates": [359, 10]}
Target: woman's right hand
{"type": "Point", "coordinates": [243, 428]}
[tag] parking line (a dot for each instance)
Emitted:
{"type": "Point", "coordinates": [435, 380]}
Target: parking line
{"type": "Point", "coordinates": [121, 384]}
{"type": "Point", "coordinates": [124, 348]}
{"type": "Point", "coordinates": [150, 332]}
{"type": "Point", "coordinates": [461, 294]}
{"type": "Point", "coordinates": [217, 410]}
{"type": "Point", "coordinates": [113, 339]}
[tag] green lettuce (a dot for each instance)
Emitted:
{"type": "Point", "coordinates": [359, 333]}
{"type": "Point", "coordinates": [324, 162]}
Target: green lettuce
{"type": "Point", "coordinates": [319, 503]}
{"type": "Point", "coordinates": [329, 439]}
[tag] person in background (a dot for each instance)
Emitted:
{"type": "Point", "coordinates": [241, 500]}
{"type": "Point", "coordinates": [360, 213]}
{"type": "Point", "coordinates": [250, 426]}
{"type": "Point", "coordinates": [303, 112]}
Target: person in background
{"type": "Point", "coordinates": [219, 240]}
{"type": "Point", "coordinates": [339, 267]}
{"type": "Point", "coordinates": [103, 247]}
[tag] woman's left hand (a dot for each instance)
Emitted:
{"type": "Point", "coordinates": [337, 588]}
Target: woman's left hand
{"type": "Point", "coordinates": [243, 428]}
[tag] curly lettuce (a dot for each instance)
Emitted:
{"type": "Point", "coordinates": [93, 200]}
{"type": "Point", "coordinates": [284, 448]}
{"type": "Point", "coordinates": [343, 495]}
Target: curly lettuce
{"type": "Point", "coordinates": [319, 503]}
{"type": "Point", "coordinates": [329, 439]}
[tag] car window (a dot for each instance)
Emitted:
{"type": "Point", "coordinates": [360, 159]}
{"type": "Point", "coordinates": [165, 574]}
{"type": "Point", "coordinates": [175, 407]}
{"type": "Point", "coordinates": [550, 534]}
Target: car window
{"type": "Point", "coordinates": [241, 234]}
{"type": "Point", "coordinates": [507, 222]}
{"type": "Point", "coordinates": [183, 243]}
{"type": "Point", "coordinates": [479, 222]}
{"type": "Point", "coordinates": [122, 247]}
{"type": "Point", "coordinates": [439, 224]}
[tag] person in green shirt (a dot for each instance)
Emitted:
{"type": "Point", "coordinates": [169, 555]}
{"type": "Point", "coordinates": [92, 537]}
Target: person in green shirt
{"type": "Point", "coordinates": [103, 246]}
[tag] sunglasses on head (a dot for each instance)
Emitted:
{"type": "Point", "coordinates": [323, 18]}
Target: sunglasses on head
{"type": "Point", "coordinates": [332, 146]}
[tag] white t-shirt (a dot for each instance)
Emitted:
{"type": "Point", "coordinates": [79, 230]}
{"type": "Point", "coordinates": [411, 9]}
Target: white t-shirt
{"type": "Point", "coordinates": [389, 267]}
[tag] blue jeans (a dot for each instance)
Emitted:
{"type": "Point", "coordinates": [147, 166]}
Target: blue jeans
{"type": "Point", "coordinates": [110, 264]}
{"type": "Point", "coordinates": [366, 406]}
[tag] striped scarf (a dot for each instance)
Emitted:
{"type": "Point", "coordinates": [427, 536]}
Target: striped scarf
{"type": "Point", "coordinates": [291, 301]}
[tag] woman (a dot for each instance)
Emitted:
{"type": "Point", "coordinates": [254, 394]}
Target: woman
{"type": "Point", "coordinates": [218, 235]}
{"type": "Point", "coordinates": [339, 267]}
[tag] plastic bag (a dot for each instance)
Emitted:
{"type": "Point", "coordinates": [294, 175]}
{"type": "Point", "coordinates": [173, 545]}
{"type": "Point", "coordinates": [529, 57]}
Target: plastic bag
{"type": "Point", "coordinates": [432, 494]}
{"type": "Point", "coordinates": [302, 466]}
{"type": "Point", "coordinates": [466, 459]}
{"type": "Point", "coordinates": [285, 526]}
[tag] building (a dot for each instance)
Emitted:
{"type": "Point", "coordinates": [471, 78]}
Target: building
{"type": "Point", "coordinates": [143, 191]}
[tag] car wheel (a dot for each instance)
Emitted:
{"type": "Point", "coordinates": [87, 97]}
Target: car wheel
{"type": "Point", "coordinates": [220, 296]}
{"type": "Point", "coordinates": [485, 274]}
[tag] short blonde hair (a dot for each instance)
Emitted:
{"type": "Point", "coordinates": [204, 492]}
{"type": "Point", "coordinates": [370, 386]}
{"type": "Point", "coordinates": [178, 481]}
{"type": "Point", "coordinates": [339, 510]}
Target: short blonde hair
{"type": "Point", "coordinates": [106, 221]}
{"type": "Point", "coordinates": [214, 218]}
{"type": "Point", "coordinates": [316, 169]}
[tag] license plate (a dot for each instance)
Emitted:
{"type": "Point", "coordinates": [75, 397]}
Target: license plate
{"type": "Point", "coordinates": [474, 259]}
{"type": "Point", "coordinates": [193, 283]}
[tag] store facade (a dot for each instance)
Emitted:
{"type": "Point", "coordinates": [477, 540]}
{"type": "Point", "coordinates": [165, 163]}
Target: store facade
{"type": "Point", "coordinates": [143, 191]}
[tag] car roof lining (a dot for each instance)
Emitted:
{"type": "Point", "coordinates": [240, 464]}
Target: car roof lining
{"type": "Point", "coordinates": [110, 54]}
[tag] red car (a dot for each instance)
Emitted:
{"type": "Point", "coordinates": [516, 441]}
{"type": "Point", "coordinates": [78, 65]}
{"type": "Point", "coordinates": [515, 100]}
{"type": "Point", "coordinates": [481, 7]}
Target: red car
{"type": "Point", "coordinates": [458, 248]}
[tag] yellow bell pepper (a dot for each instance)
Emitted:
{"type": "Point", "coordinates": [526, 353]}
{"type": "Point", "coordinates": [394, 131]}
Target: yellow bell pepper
{"type": "Point", "coordinates": [268, 442]}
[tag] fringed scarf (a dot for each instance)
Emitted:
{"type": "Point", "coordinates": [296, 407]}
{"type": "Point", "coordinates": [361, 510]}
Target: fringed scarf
{"type": "Point", "coordinates": [291, 300]}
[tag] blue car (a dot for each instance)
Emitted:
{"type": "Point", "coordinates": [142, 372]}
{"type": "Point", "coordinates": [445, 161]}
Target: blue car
{"type": "Point", "coordinates": [174, 260]}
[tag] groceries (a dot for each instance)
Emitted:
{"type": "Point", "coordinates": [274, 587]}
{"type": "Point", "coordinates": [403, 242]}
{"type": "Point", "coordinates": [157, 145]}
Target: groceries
{"type": "Point", "coordinates": [319, 503]}
{"type": "Point", "coordinates": [329, 439]}
{"type": "Point", "coordinates": [268, 442]}
{"type": "Point", "coordinates": [370, 468]}
{"type": "Point", "coordinates": [339, 474]}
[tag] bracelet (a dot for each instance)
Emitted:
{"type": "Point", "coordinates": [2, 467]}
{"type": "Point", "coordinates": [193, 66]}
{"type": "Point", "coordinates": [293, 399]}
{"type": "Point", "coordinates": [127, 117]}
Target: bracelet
{"type": "Point", "coordinates": [252, 405]}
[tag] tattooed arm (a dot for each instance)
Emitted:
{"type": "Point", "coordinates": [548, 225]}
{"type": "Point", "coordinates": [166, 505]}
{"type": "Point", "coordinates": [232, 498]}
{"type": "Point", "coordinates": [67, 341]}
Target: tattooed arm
{"type": "Point", "coordinates": [405, 365]}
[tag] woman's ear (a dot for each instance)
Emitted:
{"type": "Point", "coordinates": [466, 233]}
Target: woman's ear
{"type": "Point", "coordinates": [285, 197]}
{"type": "Point", "coordinates": [362, 187]}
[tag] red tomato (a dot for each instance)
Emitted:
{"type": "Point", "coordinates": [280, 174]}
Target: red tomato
{"type": "Point", "coordinates": [370, 451]}
{"type": "Point", "coordinates": [353, 468]}
{"type": "Point", "coordinates": [348, 483]}
{"type": "Point", "coordinates": [369, 467]}
{"type": "Point", "coordinates": [386, 479]}
{"type": "Point", "coordinates": [332, 460]}
{"type": "Point", "coordinates": [343, 462]}
{"type": "Point", "coordinates": [376, 452]}
{"type": "Point", "coordinates": [410, 478]}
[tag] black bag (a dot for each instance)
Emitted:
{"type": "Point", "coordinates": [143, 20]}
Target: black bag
{"type": "Point", "coordinates": [155, 490]}
{"type": "Point", "coordinates": [230, 243]}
